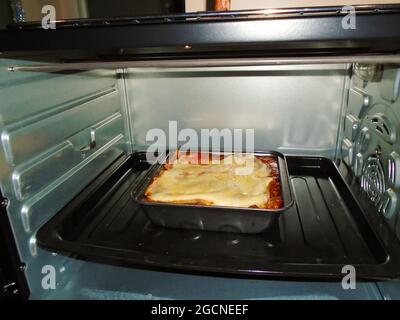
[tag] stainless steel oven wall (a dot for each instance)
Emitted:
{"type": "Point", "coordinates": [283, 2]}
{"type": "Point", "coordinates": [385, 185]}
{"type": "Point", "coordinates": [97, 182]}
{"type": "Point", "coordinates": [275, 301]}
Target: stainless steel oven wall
{"type": "Point", "coordinates": [294, 109]}
{"type": "Point", "coordinates": [371, 141]}
{"type": "Point", "coordinates": [58, 131]}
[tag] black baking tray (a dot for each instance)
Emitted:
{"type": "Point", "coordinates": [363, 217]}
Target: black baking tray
{"type": "Point", "coordinates": [326, 229]}
{"type": "Point", "coordinates": [214, 218]}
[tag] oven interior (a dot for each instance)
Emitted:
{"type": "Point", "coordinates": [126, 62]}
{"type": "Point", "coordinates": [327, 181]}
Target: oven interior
{"type": "Point", "coordinates": [73, 145]}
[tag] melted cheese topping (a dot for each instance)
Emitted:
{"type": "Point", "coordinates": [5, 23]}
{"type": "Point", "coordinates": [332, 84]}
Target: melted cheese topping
{"type": "Point", "coordinates": [237, 181]}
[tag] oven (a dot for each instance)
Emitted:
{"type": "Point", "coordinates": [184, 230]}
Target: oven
{"type": "Point", "coordinates": [82, 103]}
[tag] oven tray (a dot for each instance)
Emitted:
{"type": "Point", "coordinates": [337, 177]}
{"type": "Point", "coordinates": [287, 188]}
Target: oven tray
{"type": "Point", "coordinates": [214, 218]}
{"type": "Point", "coordinates": [325, 230]}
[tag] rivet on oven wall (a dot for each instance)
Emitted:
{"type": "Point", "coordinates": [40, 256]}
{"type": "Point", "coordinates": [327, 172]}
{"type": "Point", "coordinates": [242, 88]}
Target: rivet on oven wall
{"type": "Point", "coordinates": [368, 72]}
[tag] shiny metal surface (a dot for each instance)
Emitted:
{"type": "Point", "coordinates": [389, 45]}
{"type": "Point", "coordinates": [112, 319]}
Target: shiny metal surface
{"type": "Point", "coordinates": [357, 98]}
{"type": "Point", "coordinates": [295, 110]}
{"type": "Point", "coordinates": [368, 72]}
{"type": "Point", "coordinates": [390, 85]}
{"type": "Point", "coordinates": [58, 131]}
{"type": "Point", "coordinates": [133, 284]}
{"type": "Point", "coordinates": [377, 145]}
{"type": "Point", "coordinates": [394, 170]}
{"type": "Point", "coordinates": [222, 62]}
{"type": "Point", "coordinates": [17, 140]}
{"type": "Point", "coordinates": [373, 179]}
{"type": "Point", "coordinates": [66, 128]}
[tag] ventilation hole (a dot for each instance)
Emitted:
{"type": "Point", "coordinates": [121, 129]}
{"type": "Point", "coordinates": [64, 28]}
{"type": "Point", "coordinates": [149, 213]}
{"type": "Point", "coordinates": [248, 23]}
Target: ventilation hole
{"type": "Point", "coordinates": [378, 128]}
{"type": "Point", "coordinates": [386, 128]}
{"type": "Point", "coordinates": [386, 205]}
{"type": "Point", "coordinates": [373, 180]}
{"type": "Point", "coordinates": [382, 127]}
{"type": "Point", "coordinates": [379, 205]}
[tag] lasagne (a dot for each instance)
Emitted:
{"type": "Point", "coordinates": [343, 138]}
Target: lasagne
{"type": "Point", "coordinates": [234, 180]}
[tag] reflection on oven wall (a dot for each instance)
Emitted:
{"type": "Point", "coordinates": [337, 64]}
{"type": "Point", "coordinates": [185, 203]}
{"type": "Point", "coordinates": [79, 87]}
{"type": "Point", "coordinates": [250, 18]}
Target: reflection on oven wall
{"type": "Point", "coordinates": [293, 109]}
{"type": "Point", "coordinates": [371, 145]}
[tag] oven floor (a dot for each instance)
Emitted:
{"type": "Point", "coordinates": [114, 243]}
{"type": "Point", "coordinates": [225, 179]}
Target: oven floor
{"type": "Point", "coordinates": [99, 281]}
{"type": "Point", "coordinates": [323, 231]}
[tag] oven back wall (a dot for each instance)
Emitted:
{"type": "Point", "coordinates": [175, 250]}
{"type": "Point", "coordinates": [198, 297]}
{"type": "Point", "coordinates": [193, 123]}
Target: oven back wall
{"type": "Point", "coordinates": [294, 109]}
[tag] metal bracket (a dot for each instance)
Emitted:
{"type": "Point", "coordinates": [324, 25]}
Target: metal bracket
{"type": "Point", "coordinates": [92, 143]}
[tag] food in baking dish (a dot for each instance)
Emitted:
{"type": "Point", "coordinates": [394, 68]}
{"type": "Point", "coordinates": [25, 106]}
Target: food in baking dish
{"type": "Point", "coordinates": [234, 180]}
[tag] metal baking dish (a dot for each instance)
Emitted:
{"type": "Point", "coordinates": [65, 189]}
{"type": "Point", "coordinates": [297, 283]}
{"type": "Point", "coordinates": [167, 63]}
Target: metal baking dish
{"type": "Point", "coordinates": [214, 218]}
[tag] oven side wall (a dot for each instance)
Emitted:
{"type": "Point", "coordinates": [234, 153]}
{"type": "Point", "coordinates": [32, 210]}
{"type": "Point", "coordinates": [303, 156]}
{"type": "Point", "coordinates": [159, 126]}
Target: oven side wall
{"type": "Point", "coordinates": [371, 138]}
{"type": "Point", "coordinates": [370, 145]}
{"type": "Point", "coordinates": [58, 131]}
